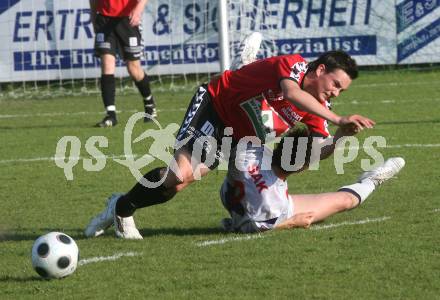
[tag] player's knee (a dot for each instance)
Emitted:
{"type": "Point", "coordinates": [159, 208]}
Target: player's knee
{"type": "Point", "coordinates": [183, 185]}
{"type": "Point", "coordinates": [178, 181]}
{"type": "Point", "coordinates": [135, 71]}
{"type": "Point", "coordinates": [107, 64]}
{"type": "Point", "coordinates": [346, 202]}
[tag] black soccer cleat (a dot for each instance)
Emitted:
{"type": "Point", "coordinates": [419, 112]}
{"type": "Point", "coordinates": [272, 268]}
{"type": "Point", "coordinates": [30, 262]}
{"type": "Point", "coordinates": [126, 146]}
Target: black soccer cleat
{"type": "Point", "coordinates": [108, 121]}
{"type": "Point", "coordinates": [150, 112]}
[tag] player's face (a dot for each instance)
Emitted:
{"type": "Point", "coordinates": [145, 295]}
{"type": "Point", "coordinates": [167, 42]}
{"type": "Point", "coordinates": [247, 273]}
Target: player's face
{"type": "Point", "coordinates": [328, 85]}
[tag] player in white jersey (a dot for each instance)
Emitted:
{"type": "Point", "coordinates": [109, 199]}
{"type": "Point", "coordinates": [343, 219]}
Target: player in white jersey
{"type": "Point", "coordinates": [255, 190]}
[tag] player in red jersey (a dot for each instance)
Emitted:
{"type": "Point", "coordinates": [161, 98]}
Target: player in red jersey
{"type": "Point", "coordinates": [234, 101]}
{"type": "Point", "coordinates": [117, 25]}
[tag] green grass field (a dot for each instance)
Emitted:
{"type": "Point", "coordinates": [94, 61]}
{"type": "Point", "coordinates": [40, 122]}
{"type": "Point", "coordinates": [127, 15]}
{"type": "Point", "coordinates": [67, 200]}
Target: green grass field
{"type": "Point", "coordinates": [184, 253]}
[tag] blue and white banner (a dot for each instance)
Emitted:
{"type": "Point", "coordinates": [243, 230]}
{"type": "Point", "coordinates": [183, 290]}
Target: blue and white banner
{"type": "Point", "coordinates": [418, 29]}
{"type": "Point", "coordinates": [53, 39]}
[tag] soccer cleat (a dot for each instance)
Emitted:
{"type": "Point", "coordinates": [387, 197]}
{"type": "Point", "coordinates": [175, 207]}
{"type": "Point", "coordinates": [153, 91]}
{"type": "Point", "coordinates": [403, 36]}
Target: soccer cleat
{"type": "Point", "coordinates": [104, 220]}
{"type": "Point", "coordinates": [389, 169]}
{"type": "Point", "coordinates": [108, 121]}
{"type": "Point", "coordinates": [150, 109]}
{"type": "Point", "coordinates": [125, 228]}
{"type": "Point", "coordinates": [150, 112]}
{"type": "Point", "coordinates": [247, 52]}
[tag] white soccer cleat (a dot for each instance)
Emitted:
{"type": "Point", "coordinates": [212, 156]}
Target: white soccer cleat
{"type": "Point", "coordinates": [248, 50]}
{"type": "Point", "coordinates": [104, 220]}
{"type": "Point", "coordinates": [389, 169]}
{"type": "Point", "coordinates": [125, 228]}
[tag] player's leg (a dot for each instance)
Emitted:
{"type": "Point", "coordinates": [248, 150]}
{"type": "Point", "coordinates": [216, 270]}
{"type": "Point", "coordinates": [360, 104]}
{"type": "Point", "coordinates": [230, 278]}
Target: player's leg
{"type": "Point", "coordinates": [347, 197]}
{"type": "Point", "coordinates": [130, 39]}
{"type": "Point", "coordinates": [179, 174]}
{"type": "Point", "coordinates": [174, 178]}
{"type": "Point", "coordinates": [142, 82]}
{"type": "Point", "coordinates": [247, 51]}
{"type": "Point", "coordinates": [121, 207]}
{"type": "Point", "coordinates": [324, 205]}
{"type": "Point", "coordinates": [105, 49]}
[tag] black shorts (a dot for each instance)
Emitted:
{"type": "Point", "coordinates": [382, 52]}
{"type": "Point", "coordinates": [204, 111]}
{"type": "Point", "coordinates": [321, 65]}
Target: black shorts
{"type": "Point", "coordinates": [114, 35]}
{"type": "Point", "coordinates": [203, 129]}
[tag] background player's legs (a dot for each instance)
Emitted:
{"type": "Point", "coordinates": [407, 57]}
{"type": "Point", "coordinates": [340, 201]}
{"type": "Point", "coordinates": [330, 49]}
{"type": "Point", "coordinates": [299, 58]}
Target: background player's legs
{"type": "Point", "coordinates": [324, 205]}
{"type": "Point", "coordinates": [143, 84]}
{"type": "Point", "coordinates": [108, 88]}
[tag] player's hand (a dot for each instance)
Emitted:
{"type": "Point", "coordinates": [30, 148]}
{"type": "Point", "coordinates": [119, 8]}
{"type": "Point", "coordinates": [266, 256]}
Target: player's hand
{"type": "Point", "coordinates": [303, 220]}
{"type": "Point", "coordinates": [135, 18]}
{"type": "Point", "coordinates": [347, 130]}
{"type": "Point", "coordinates": [357, 122]}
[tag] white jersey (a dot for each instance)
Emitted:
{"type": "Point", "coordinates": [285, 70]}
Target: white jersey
{"type": "Point", "coordinates": [255, 197]}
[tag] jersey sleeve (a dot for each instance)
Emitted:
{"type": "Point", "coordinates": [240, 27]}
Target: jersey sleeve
{"type": "Point", "coordinates": [317, 125]}
{"type": "Point", "coordinates": [292, 67]}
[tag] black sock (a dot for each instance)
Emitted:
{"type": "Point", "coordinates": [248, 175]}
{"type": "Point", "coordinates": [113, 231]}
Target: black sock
{"type": "Point", "coordinates": [140, 196]}
{"type": "Point", "coordinates": [108, 87]}
{"type": "Point", "coordinates": [111, 113]}
{"type": "Point", "coordinates": [144, 88]}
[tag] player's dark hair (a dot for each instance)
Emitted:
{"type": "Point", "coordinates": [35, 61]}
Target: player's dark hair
{"type": "Point", "coordinates": [296, 133]}
{"type": "Point", "coordinates": [334, 60]}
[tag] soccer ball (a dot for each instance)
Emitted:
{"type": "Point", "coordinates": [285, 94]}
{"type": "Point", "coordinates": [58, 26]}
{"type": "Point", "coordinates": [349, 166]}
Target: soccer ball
{"type": "Point", "coordinates": [55, 255]}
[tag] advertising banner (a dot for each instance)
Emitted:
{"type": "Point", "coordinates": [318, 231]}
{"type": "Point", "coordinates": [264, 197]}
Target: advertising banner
{"type": "Point", "coordinates": [53, 39]}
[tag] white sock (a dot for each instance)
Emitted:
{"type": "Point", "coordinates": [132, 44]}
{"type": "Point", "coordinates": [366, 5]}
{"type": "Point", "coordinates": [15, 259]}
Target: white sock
{"type": "Point", "coordinates": [361, 190]}
{"type": "Point", "coordinates": [110, 108]}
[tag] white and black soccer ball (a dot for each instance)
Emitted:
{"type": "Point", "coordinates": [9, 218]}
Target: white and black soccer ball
{"type": "Point", "coordinates": [55, 255]}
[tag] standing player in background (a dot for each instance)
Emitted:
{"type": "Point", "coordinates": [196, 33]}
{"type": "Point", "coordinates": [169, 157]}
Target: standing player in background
{"type": "Point", "coordinates": [117, 25]}
{"type": "Point", "coordinates": [235, 99]}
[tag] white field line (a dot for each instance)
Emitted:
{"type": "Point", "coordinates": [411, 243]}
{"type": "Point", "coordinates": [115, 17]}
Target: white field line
{"type": "Point", "coordinates": [227, 240]}
{"type": "Point", "coordinates": [65, 114]}
{"type": "Point", "coordinates": [396, 83]}
{"type": "Point", "coordinates": [346, 223]}
{"type": "Point", "coordinates": [116, 256]}
{"type": "Point", "coordinates": [38, 159]}
{"type": "Point", "coordinates": [400, 146]}
{"type": "Point", "coordinates": [315, 227]}
{"type": "Point", "coordinates": [385, 101]}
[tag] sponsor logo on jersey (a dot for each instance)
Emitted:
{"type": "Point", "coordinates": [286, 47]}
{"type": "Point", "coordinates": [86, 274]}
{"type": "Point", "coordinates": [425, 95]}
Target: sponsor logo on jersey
{"type": "Point", "coordinates": [252, 107]}
{"type": "Point", "coordinates": [289, 114]}
{"type": "Point", "coordinates": [257, 178]}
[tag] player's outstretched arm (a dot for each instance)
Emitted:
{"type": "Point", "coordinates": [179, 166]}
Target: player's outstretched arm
{"type": "Point", "coordinates": [306, 102]}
